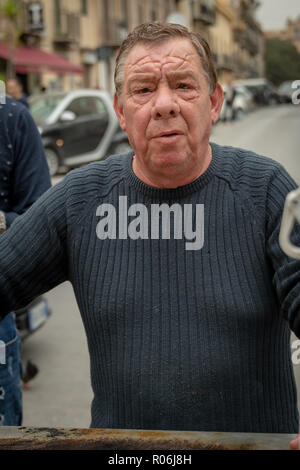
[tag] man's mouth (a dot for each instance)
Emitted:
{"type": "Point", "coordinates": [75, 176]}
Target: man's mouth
{"type": "Point", "coordinates": [168, 134]}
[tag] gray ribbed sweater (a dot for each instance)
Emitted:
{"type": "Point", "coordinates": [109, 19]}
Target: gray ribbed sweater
{"type": "Point", "coordinates": [178, 339]}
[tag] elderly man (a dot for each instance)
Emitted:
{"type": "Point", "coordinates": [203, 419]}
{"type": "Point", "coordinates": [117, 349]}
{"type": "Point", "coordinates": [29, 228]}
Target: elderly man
{"type": "Point", "coordinates": [173, 254]}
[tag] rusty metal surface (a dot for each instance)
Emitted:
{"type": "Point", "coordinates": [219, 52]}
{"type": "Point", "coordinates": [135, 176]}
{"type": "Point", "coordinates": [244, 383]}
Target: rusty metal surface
{"type": "Point", "coordinates": [21, 438]}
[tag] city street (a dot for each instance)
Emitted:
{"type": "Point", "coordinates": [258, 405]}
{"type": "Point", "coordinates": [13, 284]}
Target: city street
{"type": "Point", "coordinates": [60, 395]}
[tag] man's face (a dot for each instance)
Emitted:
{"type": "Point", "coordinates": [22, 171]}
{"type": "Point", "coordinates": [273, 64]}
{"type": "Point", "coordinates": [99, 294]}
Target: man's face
{"type": "Point", "coordinates": [165, 106]}
{"type": "Point", "coordinates": [13, 88]}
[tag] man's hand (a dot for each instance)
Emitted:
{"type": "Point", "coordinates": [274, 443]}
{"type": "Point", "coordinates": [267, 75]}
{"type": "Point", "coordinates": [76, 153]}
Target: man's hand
{"type": "Point", "coordinates": [294, 445]}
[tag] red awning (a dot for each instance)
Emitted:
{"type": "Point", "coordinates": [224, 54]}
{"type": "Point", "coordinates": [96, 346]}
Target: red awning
{"type": "Point", "coordinates": [32, 59]}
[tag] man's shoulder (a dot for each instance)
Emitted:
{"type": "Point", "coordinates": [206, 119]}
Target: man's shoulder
{"type": "Point", "coordinates": [10, 109]}
{"type": "Point", "coordinates": [242, 167]}
{"type": "Point", "coordinates": [245, 158]}
{"type": "Point", "coordinates": [83, 187]}
{"type": "Point", "coordinates": [10, 115]}
{"type": "Point", "coordinates": [15, 119]}
{"type": "Point", "coordinates": [97, 179]}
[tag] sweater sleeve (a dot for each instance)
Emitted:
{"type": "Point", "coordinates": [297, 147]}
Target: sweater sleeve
{"type": "Point", "coordinates": [31, 174]}
{"type": "Point", "coordinates": [286, 270]}
{"type": "Point", "coordinates": [33, 252]}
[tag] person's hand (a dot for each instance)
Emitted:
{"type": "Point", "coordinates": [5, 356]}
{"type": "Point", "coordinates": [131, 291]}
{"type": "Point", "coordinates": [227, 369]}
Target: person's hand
{"type": "Point", "coordinates": [294, 445]}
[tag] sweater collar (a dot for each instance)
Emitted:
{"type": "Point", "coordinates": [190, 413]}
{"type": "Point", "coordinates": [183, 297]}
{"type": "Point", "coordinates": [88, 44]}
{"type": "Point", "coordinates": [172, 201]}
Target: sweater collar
{"type": "Point", "coordinates": [181, 191]}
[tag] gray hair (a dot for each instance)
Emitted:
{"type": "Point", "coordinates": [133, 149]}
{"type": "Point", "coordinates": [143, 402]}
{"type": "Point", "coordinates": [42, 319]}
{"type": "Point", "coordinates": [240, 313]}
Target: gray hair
{"type": "Point", "coordinates": [158, 32]}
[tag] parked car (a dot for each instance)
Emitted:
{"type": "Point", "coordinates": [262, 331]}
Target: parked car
{"type": "Point", "coordinates": [77, 127]}
{"type": "Point", "coordinates": [243, 103]}
{"type": "Point", "coordinates": [32, 317]}
{"type": "Point", "coordinates": [286, 91]}
{"type": "Point", "coordinates": [264, 92]}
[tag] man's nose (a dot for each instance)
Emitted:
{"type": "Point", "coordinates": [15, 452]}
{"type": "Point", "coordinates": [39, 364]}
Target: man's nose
{"type": "Point", "coordinates": [165, 104]}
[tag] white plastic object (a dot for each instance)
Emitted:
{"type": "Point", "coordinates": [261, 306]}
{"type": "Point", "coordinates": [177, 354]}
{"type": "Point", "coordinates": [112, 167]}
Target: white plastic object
{"type": "Point", "coordinates": [291, 214]}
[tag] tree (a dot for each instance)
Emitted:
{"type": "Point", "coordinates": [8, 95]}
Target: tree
{"type": "Point", "coordinates": [10, 11]}
{"type": "Point", "coordinates": [282, 61]}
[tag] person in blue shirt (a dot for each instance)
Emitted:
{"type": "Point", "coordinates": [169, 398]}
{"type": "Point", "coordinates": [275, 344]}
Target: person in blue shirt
{"type": "Point", "coordinates": [24, 176]}
{"type": "Point", "coordinates": [15, 90]}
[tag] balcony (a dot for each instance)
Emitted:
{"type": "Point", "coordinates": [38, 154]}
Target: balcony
{"type": "Point", "coordinates": [224, 62]}
{"type": "Point", "coordinates": [247, 13]}
{"type": "Point", "coordinates": [248, 40]}
{"type": "Point", "coordinates": [204, 12]}
{"type": "Point", "coordinates": [115, 33]}
{"type": "Point", "coordinates": [67, 31]}
{"type": "Point", "coordinates": [239, 26]}
{"type": "Point", "coordinates": [31, 22]}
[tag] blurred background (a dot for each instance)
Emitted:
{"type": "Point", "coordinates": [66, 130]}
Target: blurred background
{"type": "Point", "coordinates": [249, 38]}
{"type": "Point", "coordinates": [60, 56]}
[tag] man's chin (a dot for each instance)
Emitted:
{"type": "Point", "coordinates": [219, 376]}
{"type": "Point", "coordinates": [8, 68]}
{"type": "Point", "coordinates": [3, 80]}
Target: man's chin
{"type": "Point", "coordinates": [168, 160]}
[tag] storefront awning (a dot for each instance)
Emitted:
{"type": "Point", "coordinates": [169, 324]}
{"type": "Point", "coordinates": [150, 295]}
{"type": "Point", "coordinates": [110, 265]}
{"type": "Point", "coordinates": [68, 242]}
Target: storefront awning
{"type": "Point", "coordinates": [32, 59]}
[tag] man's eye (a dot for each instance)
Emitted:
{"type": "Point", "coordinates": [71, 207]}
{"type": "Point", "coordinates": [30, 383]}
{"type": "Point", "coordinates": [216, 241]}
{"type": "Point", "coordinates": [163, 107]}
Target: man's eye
{"type": "Point", "coordinates": [143, 90]}
{"type": "Point", "coordinates": [185, 86]}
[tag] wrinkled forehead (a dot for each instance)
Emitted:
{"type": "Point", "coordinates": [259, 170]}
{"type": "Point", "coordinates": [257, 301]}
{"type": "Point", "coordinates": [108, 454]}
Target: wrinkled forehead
{"type": "Point", "coordinates": [175, 53]}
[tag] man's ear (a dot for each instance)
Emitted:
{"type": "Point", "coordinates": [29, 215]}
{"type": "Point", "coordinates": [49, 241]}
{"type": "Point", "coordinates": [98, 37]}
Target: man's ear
{"type": "Point", "coordinates": [216, 99]}
{"type": "Point", "coordinates": [119, 112]}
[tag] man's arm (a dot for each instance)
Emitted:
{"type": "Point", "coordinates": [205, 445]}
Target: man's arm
{"type": "Point", "coordinates": [33, 252]}
{"type": "Point", "coordinates": [286, 277]}
{"type": "Point", "coordinates": [30, 177]}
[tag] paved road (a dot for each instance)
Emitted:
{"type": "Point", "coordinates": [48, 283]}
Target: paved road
{"type": "Point", "coordinates": [270, 131]}
{"type": "Point", "coordinates": [61, 393]}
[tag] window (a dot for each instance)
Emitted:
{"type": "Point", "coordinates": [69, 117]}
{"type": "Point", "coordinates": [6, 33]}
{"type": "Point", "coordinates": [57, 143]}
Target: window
{"type": "Point", "coordinates": [84, 7]}
{"type": "Point", "coordinates": [141, 10]}
{"type": "Point", "coordinates": [153, 15]}
{"type": "Point", "coordinates": [87, 105]}
{"type": "Point", "coordinates": [42, 106]}
{"type": "Point", "coordinates": [57, 16]}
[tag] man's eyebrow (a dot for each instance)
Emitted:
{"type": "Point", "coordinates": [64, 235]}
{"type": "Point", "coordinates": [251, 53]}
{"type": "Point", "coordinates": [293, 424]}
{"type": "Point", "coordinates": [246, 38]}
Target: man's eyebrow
{"type": "Point", "coordinates": [142, 77]}
{"type": "Point", "coordinates": [181, 75]}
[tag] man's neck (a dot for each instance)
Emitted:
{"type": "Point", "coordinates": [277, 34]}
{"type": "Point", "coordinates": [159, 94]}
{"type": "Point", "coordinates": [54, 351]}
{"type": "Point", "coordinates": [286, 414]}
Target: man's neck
{"type": "Point", "coordinates": [171, 177]}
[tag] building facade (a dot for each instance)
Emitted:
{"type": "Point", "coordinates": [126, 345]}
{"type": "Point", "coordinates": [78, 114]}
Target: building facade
{"type": "Point", "coordinates": [89, 33]}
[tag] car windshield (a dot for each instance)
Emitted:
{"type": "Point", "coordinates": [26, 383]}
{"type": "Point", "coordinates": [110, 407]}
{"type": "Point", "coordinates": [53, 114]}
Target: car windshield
{"type": "Point", "coordinates": [42, 106]}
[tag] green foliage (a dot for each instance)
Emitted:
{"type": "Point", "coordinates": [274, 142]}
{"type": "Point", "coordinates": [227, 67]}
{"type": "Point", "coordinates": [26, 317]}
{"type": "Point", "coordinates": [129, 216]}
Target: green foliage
{"type": "Point", "coordinates": [10, 9]}
{"type": "Point", "coordinates": [282, 61]}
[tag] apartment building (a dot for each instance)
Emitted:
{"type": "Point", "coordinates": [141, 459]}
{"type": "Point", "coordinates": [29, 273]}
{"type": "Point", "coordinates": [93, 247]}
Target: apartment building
{"type": "Point", "coordinates": [117, 19]}
{"type": "Point", "coordinates": [235, 37]}
{"type": "Point", "coordinates": [237, 40]}
{"type": "Point", "coordinates": [85, 32]}
{"type": "Point", "coordinates": [88, 33]}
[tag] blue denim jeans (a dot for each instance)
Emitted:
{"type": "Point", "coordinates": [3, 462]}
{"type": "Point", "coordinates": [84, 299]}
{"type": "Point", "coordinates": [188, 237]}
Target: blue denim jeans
{"type": "Point", "coordinates": [10, 374]}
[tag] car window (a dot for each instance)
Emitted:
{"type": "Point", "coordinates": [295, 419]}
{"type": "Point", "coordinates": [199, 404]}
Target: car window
{"type": "Point", "coordinates": [87, 105]}
{"type": "Point", "coordinates": [285, 86]}
{"type": "Point", "coordinates": [42, 106]}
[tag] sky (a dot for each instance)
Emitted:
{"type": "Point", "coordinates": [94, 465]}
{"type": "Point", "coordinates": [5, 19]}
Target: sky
{"type": "Point", "coordinates": [272, 14]}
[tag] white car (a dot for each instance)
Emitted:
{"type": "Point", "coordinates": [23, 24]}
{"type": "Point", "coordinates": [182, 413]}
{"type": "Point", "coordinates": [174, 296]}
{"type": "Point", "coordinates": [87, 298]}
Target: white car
{"type": "Point", "coordinates": [263, 91]}
{"type": "Point", "coordinates": [286, 91]}
{"type": "Point", "coordinates": [243, 103]}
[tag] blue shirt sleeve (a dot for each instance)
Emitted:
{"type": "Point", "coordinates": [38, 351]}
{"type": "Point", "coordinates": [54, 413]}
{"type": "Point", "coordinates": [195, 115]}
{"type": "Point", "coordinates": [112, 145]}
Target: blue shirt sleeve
{"type": "Point", "coordinates": [31, 176]}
